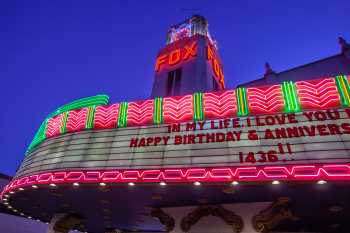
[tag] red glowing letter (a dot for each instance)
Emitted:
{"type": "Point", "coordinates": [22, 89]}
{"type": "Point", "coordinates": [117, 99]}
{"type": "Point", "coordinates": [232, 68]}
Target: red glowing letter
{"type": "Point", "coordinates": [174, 57]}
{"type": "Point", "coordinates": [190, 51]}
{"type": "Point", "coordinates": [160, 60]}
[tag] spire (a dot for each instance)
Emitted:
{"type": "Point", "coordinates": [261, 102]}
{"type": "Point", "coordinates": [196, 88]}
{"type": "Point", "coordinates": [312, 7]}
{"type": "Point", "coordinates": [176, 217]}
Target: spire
{"type": "Point", "coordinates": [344, 46]}
{"type": "Point", "coordinates": [268, 70]}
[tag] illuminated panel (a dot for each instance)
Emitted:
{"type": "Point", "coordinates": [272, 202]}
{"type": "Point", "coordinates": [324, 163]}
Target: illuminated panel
{"type": "Point", "coordinates": [77, 120]}
{"type": "Point", "coordinates": [267, 99]}
{"type": "Point", "coordinates": [177, 108]}
{"type": "Point", "coordinates": [291, 101]}
{"type": "Point", "coordinates": [344, 89]}
{"type": "Point", "coordinates": [318, 94]}
{"type": "Point", "coordinates": [242, 102]}
{"type": "Point", "coordinates": [219, 104]}
{"type": "Point", "coordinates": [140, 112]}
{"type": "Point", "coordinates": [106, 117]}
{"type": "Point", "coordinates": [198, 106]}
{"type": "Point", "coordinates": [158, 111]}
{"type": "Point", "coordinates": [55, 125]}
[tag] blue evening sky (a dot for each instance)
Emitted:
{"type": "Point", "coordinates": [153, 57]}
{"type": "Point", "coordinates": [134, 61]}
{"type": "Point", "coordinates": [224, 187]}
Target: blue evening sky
{"type": "Point", "coordinates": [55, 51]}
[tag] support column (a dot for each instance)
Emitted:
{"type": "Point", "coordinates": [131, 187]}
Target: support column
{"type": "Point", "coordinates": [63, 223]}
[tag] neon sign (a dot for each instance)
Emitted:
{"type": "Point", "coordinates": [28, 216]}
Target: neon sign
{"type": "Point", "coordinates": [176, 56]}
{"type": "Point", "coordinates": [215, 64]}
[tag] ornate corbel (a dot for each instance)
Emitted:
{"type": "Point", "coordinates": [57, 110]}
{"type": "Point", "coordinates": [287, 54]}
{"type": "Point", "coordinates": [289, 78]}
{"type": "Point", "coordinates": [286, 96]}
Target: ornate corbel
{"type": "Point", "coordinates": [67, 222]}
{"type": "Point", "coordinates": [270, 217]}
{"type": "Point", "coordinates": [229, 217]}
{"type": "Point", "coordinates": [164, 218]}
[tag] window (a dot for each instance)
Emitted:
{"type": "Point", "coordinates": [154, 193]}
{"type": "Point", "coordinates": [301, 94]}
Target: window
{"type": "Point", "coordinates": [215, 85]}
{"type": "Point", "coordinates": [174, 82]}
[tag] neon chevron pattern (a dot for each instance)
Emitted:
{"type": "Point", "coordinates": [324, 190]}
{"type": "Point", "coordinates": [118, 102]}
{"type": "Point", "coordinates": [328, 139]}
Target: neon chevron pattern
{"type": "Point", "coordinates": [297, 96]}
{"type": "Point", "coordinates": [178, 108]}
{"type": "Point", "coordinates": [219, 104]}
{"type": "Point", "coordinates": [77, 120]}
{"type": "Point", "coordinates": [55, 125]}
{"type": "Point", "coordinates": [317, 94]}
{"type": "Point", "coordinates": [140, 112]}
{"type": "Point", "coordinates": [106, 117]}
{"type": "Point", "coordinates": [268, 99]}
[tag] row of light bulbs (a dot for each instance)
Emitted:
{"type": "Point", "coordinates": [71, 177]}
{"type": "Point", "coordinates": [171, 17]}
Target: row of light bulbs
{"type": "Point", "coordinates": [102, 184]}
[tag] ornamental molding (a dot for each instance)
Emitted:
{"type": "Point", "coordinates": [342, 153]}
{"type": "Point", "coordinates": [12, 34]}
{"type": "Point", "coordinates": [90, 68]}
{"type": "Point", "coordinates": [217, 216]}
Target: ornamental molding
{"type": "Point", "coordinates": [164, 218]}
{"type": "Point", "coordinates": [273, 215]}
{"type": "Point", "coordinates": [229, 217]}
{"type": "Point", "coordinates": [67, 222]}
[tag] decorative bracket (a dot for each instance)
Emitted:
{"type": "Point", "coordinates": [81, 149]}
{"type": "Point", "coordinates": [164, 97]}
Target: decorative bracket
{"type": "Point", "coordinates": [229, 217]}
{"type": "Point", "coordinates": [164, 218]}
{"type": "Point", "coordinates": [273, 215]}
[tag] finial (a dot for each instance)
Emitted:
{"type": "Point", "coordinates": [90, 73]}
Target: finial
{"type": "Point", "coordinates": [268, 70]}
{"type": "Point", "coordinates": [344, 46]}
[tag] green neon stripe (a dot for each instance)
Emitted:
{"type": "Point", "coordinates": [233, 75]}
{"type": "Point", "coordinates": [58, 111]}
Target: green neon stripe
{"type": "Point", "coordinates": [198, 106]}
{"type": "Point", "coordinates": [158, 111]}
{"type": "Point", "coordinates": [290, 96]}
{"type": "Point", "coordinates": [123, 114]}
{"type": "Point", "coordinates": [39, 136]}
{"type": "Point", "coordinates": [242, 103]}
{"type": "Point", "coordinates": [81, 103]}
{"type": "Point", "coordinates": [343, 89]}
{"type": "Point", "coordinates": [64, 125]}
{"type": "Point", "coordinates": [90, 117]}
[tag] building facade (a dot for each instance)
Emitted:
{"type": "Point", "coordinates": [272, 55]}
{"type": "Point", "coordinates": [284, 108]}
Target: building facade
{"type": "Point", "coordinates": [271, 155]}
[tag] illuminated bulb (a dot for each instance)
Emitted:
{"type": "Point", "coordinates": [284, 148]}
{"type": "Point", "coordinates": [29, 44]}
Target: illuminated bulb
{"type": "Point", "coordinates": [321, 182]}
{"type": "Point", "coordinates": [21, 214]}
{"type": "Point", "coordinates": [76, 184]}
{"type": "Point", "coordinates": [6, 203]}
{"type": "Point", "coordinates": [52, 185]}
{"type": "Point", "coordinates": [6, 195]}
{"type": "Point", "coordinates": [235, 183]}
{"type": "Point", "coordinates": [12, 192]}
{"type": "Point", "coordinates": [15, 210]}
{"type": "Point", "coordinates": [131, 184]}
{"type": "Point", "coordinates": [29, 217]}
{"type": "Point", "coordinates": [10, 207]}
{"type": "Point", "coordinates": [275, 182]}
{"type": "Point", "coordinates": [197, 183]}
{"type": "Point", "coordinates": [103, 184]}
{"type": "Point", "coordinates": [5, 199]}
{"type": "Point", "coordinates": [34, 186]}
{"type": "Point", "coordinates": [21, 189]}
{"type": "Point", "coordinates": [162, 183]}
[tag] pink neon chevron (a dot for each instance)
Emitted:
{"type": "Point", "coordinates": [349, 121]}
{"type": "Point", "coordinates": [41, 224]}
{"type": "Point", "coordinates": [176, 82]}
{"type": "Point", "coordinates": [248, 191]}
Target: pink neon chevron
{"type": "Point", "coordinates": [316, 94]}
{"type": "Point", "coordinates": [140, 112]}
{"type": "Point", "coordinates": [267, 99]}
{"type": "Point", "coordinates": [77, 120]}
{"type": "Point", "coordinates": [219, 104]}
{"type": "Point", "coordinates": [54, 126]}
{"type": "Point", "coordinates": [178, 108]}
{"type": "Point", "coordinates": [106, 117]}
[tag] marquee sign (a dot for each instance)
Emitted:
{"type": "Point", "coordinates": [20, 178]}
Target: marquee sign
{"type": "Point", "coordinates": [290, 131]}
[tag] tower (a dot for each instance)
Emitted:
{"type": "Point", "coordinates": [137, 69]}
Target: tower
{"type": "Point", "coordinates": [189, 62]}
